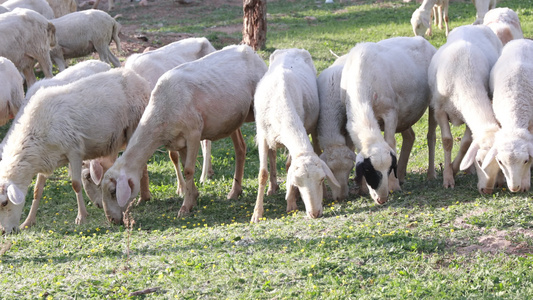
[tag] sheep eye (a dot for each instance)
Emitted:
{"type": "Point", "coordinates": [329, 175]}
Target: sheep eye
{"type": "Point", "coordinates": [526, 161]}
{"type": "Point", "coordinates": [88, 176]}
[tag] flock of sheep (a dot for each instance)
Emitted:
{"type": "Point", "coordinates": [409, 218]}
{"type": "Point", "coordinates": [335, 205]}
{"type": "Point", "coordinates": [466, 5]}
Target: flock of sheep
{"type": "Point", "coordinates": [187, 93]}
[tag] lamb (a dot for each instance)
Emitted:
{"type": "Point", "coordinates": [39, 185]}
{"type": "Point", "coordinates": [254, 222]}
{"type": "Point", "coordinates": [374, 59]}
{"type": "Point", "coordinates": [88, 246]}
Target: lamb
{"type": "Point", "coordinates": [62, 7]}
{"type": "Point", "coordinates": [421, 17]}
{"type": "Point", "coordinates": [81, 33]}
{"type": "Point", "coordinates": [12, 92]}
{"type": "Point", "coordinates": [482, 7]}
{"type": "Point", "coordinates": [459, 82]}
{"type": "Point", "coordinates": [27, 36]}
{"type": "Point", "coordinates": [152, 64]}
{"type": "Point", "coordinates": [384, 86]}
{"type": "Point", "coordinates": [198, 100]}
{"type": "Point", "coordinates": [504, 23]}
{"type": "Point", "coordinates": [40, 6]}
{"type": "Point", "coordinates": [286, 110]}
{"type": "Point", "coordinates": [512, 87]}
{"type": "Point", "coordinates": [67, 124]}
{"type": "Point", "coordinates": [338, 149]}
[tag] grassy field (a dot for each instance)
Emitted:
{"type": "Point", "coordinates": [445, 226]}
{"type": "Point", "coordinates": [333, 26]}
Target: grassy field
{"type": "Point", "coordinates": [425, 243]}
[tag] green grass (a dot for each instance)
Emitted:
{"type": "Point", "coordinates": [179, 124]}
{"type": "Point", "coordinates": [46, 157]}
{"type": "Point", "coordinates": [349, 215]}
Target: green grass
{"type": "Point", "coordinates": [425, 243]}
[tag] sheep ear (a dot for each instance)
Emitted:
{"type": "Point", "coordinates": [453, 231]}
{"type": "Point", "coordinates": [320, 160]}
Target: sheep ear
{"type": "Point", "coordinates": [124, 188]}
{"type": "Point", "coordinates": [96, 170]}
{"type": "Point", "coordinates": [490, 156]}
{"type": "Point", "coordinates": [288, 185]}
{"type": "Point", "coordinates": [470, 156]}
{"type": "Point", "coordinates": [394, 165]}
{"type": "Point", "coordinates": [323, 157]}
{"type": "Point", "coordinates": [359, 159]}
{"type": "Point", "coordinates": [530, 149]}
{"type": "Point", "coordinates": [15, 195]}
{"type": "Point", "coordinates": [329, 175]}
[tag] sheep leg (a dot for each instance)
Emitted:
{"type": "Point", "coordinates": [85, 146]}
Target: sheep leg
{"type": "Point", "coordinates": [273, 186]}
{"type": "Point", "coordinates": [106, 56]}
{"type": "Point", "coordinates": [191, 193]}
{"type": "Point", "coordinates": [431, 140]}
{"type": "Point", "coordinates": [37, 194]}
{"type": "Point", "coordinates": [75, 174]}
{"type": "Point", "coordinates": [408, 140]}
{"type": "Point", "coordinates": [445, 16]}
{"type": "Point", "coordinates": [175, 158]}
{"type": "Point", "coordinates": [447, 145]}
{"type": "Point", "coordinates": [262, 147]}
{"type": "Point", "coordinates": [207, 167]}
{"type": "Point", "coordinates": [463, 148]}
{"type": "Point", "coordinates": [390, 121]}
{"type": "Point", "coordinates": [29, 76]}
{"type": "Point", "coordinates": [439, 12]}
{"type": "Point", "coordinates": [145, 186]}
{"type": "Point", "coordinates": [240, 155]}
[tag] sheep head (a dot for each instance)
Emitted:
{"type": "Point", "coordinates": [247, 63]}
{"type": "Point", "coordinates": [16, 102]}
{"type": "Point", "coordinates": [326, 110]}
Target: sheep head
{"type": "Point", "coordinates": [307, 173]}
{"type": "Point", "coordinates": [118, 190]}
{"type": "Point", "coordinates": [513, 154]}
{"type": "Point", "coordinates": [92, 173]}
{"type": "Point", "coordinates": [340, 160]}
{"type": "Point", "coordinates": [376, 165]}
{"type": "Point", "coordinates": [486, 173]}
{"type": "Point", "coordinates": [12, 200]}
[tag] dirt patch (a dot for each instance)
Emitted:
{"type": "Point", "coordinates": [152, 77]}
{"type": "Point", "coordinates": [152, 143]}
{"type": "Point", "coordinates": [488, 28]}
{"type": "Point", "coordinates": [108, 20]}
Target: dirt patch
{"type": "Point", "coordinates": [492, 240]}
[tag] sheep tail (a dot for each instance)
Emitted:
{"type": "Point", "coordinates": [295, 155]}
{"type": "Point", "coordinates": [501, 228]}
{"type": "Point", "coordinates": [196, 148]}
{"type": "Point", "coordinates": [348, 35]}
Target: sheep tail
{"type": "Point", "coordinates": [116, 30]}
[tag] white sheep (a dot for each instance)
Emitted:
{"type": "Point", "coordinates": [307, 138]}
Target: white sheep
{"type": "Point", "coordinates": [338, 149]}
{"type": "Point", "coordinates": [459, 82]}
{"type": "Point", "coordinates": [504, 23]}
{"type": "Point", "coordinates": [62, 7]}
{"type": "Point", "coordinates": [286, 110]}
{"type": "Point", "coordinates": [40, 6]}
{"type": "Point", "coordinates": [12, 92]}
{"type": "Point", "coordinates": [152, 64]}
{"type": "Point", "coordinates": [421, 17]}
{"type": "Point", "coordinates": [86, 119]}
{"type": "Point", "coordinates": [81, 33]}
{"type": "Point", "coordinates": [208, 98]}
{"type": "Point", "coordinates": [384, 86]}
{"type": "Point", "coordinates": [27, 36]}
{"type": "Point", "coordinates": [511, 82]}
{"type": "Point", "coordinates": [482, 7]}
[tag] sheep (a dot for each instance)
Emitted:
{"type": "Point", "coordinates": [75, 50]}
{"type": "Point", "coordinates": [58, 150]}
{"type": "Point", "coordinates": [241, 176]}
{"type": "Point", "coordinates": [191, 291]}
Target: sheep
{"type": "Point", "coordinates": [482, 7]}
{"type": "Point", "coordinates": [81, 33]}
{"type": "Point", "coordinates": [12, 92]}
{"type": "Point", "coordinates": [504, 23]}
{"type": "Point", "coordinates": [338, 149]}
{"type": "Point", "coordinates": [27, 36]}
{"type": "Point", "coordinates": [62, 7]}
{"type": "Point", "coordinates": [152, 64]}
{"type": "Point", "coordinates": [208, 98]}
{"type": "Point", "coordinates": [459, 82]}
{"type": "Point", "coordinates": [40, 6]}
{"type": "Point", "coordinates": [286, 109]}
{"type": "Point", "coordinates": [86, 119]}
{"type": "Point", "coordinates": [384, 86]}
{"type": "Point", "coordinates": [421, 17]}
{"type": "Point", "coordinates": [3, 9]}
{"type": "Point", "coordinates": [512, 87]}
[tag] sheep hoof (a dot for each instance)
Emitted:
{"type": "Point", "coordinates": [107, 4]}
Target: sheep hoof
{"type": "Point", "coordinates": [184, 212]}
{"type": "Point", "coordinates": [234, 193]}
{"type": "Point", "coordinates": [80, 220]}
{"type": "Point", "coordinates": [256, 217]}
{"type": "Point", "coordinates": [27, 224]}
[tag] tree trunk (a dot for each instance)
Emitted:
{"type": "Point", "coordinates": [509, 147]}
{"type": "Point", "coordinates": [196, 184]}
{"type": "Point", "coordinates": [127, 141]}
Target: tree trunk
{"type": "Point", "coordinates": [254, 23]}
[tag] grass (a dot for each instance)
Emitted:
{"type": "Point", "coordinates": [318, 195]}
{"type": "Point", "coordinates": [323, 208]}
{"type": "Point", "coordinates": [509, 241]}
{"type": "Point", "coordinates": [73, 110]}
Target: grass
{"type": "Point", "coordinates": [425, 243]}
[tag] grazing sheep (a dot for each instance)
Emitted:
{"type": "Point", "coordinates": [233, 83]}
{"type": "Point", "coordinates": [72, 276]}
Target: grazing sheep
{"type": "Point", "coordinates": [511, 82]}
{"type": "Point", "coordinates": [286, 109]}
{"type": "Point", "coordinates": [27, 36]}
{"type": "Point", "coordinates": [459, 81]}
{"type": "Point", "coordinates": [63, 7]}
{"type": "Point", "coordinates": [421, 17]}
{"type": "Point", "coordinates": [505, 24]}
{"type": "Point", "coordinates": [81, 33]}
{"type": "Point", "coordinates": [384, 86]}
{"type": "Point", "coordinates": [333, 138]}
{"type": "Point", "coordinates": [152, 64]}
{"type": "Point", "coordinates": [40, 6]}
{"type": "Point", "coordinates": [86, 119]}
{"type": "Point", "coordinates": [482, 7]}
{"type": "Point", "coordinates": [12, 92]}
{"type": "Point", "coordinates": [208, 98]}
